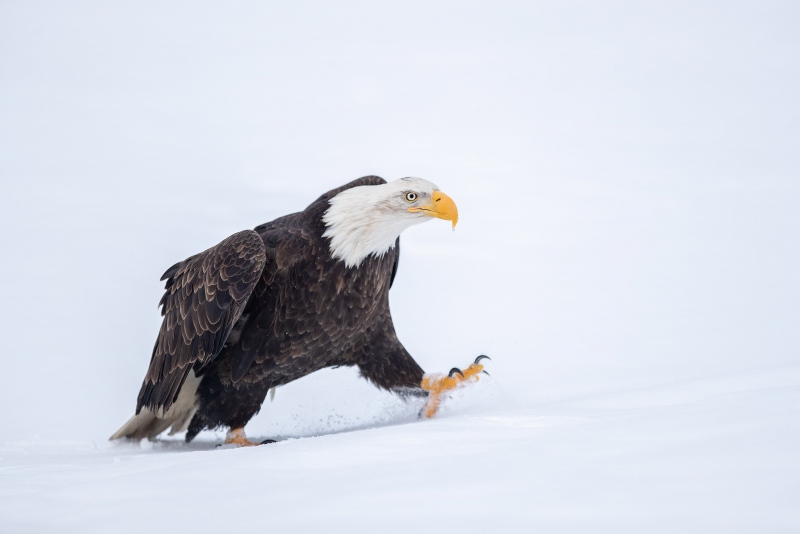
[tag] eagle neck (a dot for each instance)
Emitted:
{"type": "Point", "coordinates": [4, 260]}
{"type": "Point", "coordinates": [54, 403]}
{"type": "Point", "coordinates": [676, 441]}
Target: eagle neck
{"type": "Point", "coordinates": [357, 226]}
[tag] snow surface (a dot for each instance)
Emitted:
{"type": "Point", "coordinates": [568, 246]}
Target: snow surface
{"type": "Point", "coordinates": [628, 180]}
{"type": "Point", "coordinates": [710, 455]}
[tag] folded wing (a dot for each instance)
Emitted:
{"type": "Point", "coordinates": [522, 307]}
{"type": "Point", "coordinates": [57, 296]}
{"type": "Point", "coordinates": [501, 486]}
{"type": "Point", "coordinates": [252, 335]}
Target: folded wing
{"type": "Point", "coordinates": [205, 296]}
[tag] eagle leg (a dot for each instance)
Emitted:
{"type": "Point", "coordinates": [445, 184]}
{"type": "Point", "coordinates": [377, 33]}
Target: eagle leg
{"type": "Point", "coordinates": [438, 385]}
{"type": "Point", "coordinates": [236, 436]}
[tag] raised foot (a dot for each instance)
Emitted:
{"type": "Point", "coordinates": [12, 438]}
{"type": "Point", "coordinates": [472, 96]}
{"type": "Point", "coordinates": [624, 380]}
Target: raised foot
{"type": "Point", "coordinates": [438, 385]}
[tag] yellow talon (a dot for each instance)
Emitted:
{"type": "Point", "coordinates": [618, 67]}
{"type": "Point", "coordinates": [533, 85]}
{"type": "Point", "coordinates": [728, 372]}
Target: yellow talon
{"type": "Point", "coordinates": [236, 436]}
{"type": "Point", "coordinates": [436, 385]}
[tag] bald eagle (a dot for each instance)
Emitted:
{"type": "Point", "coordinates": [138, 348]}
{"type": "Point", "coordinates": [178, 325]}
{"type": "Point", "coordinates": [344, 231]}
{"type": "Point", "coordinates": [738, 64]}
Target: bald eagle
{"type": "Point", "coordinates": [267, 306]}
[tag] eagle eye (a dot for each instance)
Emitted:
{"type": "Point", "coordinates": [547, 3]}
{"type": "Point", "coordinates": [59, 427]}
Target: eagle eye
{"type": "Point", "coordinates": [411, 196]}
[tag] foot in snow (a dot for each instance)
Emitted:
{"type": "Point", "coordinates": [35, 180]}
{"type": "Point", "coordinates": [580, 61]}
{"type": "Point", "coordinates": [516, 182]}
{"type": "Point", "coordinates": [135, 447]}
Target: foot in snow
{"type": "Point", "coordinates": [437, 385]}
{"type": "Point", "coordinates": [236, 436]}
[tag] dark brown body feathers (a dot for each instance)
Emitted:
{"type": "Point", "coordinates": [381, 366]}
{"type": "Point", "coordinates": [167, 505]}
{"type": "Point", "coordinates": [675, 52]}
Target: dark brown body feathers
{"type": "Point", "coordinates": [269, 306]}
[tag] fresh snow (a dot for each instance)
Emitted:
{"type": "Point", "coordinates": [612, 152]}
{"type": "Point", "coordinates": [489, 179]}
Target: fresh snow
{"type": "Point", "coordinates": [710, 455]}
{"type": "Point", "coordinates": [627, 253]}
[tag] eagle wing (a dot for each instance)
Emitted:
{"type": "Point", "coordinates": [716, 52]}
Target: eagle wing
{"type": "Point", "coordinates": [289, 248]}
{"type": "Point", "coordinates": [205, 296]}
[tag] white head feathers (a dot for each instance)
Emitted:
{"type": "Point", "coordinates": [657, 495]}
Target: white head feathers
{"type": "Point", "coordinates": [368, 219]}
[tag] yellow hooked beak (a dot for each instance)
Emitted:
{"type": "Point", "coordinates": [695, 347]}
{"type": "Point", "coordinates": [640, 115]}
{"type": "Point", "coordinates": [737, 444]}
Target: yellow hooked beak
{"type": "Point", "coordinates": [441, 207]}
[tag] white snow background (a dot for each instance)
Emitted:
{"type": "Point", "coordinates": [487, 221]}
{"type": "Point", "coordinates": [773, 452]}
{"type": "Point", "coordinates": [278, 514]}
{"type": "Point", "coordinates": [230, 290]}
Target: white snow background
{"type": "Point", "coordinates": [628, 255]}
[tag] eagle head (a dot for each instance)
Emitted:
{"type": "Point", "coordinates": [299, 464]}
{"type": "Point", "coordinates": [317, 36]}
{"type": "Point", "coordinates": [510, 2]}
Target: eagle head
{"type": "Point", "coordinates": [368, 219]}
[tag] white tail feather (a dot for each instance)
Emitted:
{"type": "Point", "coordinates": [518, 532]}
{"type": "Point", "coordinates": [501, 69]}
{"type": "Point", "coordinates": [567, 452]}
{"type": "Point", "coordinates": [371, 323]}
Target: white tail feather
{"type": "Point", "coordinates": [147, 424]}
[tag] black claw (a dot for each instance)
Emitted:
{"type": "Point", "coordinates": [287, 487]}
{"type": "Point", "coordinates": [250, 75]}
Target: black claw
{"type": "Point", "coordinates": [455, 370]}
{"type": "Point", "coordinates": [268, 441]}
{"type": "Point", "coordinates": [486, 373]}
{"type": "Point", "coordinates": [482, 357]}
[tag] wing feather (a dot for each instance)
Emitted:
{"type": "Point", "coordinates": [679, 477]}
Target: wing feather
{"type": "Point", "coordinates": [286, 246]}
{"type": "Point", "coordinates": [205, 296]}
